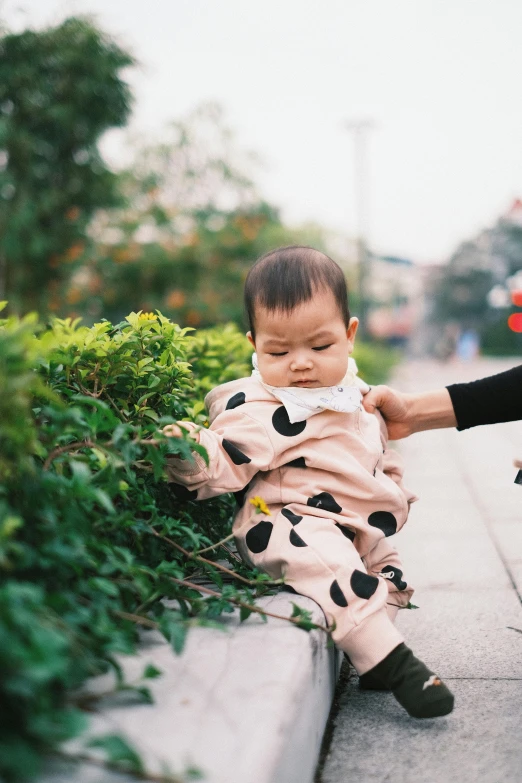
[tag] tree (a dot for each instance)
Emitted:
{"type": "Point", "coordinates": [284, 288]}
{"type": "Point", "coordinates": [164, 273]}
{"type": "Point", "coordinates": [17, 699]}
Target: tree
{"type": "Point", "coordinates": [191, 224]}
{"type": "Point", "coordinates": [60, 90]}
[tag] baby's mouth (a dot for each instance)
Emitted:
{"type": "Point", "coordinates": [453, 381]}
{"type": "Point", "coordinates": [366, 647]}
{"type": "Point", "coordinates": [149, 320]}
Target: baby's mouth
{"type": "Point", "coordinates": [303, 382]}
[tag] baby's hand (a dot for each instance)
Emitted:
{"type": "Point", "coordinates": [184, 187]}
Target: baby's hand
{"type": "Point", "coordinates": [172, 431]}
{"type": "Point", "coordinates": [175, 431]}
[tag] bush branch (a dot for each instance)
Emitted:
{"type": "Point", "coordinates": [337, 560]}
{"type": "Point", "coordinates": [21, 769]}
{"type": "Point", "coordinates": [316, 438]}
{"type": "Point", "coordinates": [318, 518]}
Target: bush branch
{"type": "Point", "coordinates": [237, 602]}
{"type": "Point", "coordinates": [218, 566]}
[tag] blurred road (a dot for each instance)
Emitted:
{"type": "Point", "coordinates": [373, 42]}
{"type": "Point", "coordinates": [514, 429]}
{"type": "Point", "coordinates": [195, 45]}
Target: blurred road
{"type": "Point", "coordinates": [462, 549]}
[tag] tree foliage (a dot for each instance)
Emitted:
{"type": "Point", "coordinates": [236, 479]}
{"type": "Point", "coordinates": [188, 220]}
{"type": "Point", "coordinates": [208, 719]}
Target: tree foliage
{"type": "Point", "coordinates": [191, 226]}
{"type": "Point", "coordinates": [60, 90]}
{"type": "Point", "coordinates": [476, 266]}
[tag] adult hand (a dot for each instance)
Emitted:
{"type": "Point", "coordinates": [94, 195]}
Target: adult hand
{"type": "Point", "coordinates": [394, 408]}
{"type": "Point", "coordinates": [405, 414]}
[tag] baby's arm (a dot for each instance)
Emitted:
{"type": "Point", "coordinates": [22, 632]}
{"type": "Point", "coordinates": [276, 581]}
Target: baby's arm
{"type": "Point", "coordinates": [237, 446]}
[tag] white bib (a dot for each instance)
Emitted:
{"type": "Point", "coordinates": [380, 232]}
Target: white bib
{"type": "Point", "coordinates": [300, 403]}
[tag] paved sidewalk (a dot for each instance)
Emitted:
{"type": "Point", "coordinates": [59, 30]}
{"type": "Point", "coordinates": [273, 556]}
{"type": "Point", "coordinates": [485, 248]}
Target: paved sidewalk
{"type": "Point", "coordinates": [462, 549]}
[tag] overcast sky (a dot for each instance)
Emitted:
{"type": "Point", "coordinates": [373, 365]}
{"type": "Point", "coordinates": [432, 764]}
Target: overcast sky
{"type": "Point", "coordinates": [441, 79]}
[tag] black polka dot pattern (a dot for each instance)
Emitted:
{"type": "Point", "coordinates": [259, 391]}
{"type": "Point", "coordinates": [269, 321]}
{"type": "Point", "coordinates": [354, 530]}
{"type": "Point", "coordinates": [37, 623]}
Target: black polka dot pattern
{"type": "Point", "coordinates": [385, 521]}
{"type": "Point", "coordinates": [296, 463]}
{"type": "Point", "coordinates": [241, 495]}
{"type": "Point", "coordinates": [282, 423]}
{"type": "Point", "coordinates": [296, 540]}
{"type": "Point", "coordinates": [325, 501]}
{"type": "Point", "coordinates": [363, 585]}
{"type": "Point", "coordinates": [235, 454]}
{"type": "Point", "coordinates": [337, 595]}
{"type": "Point", "coordinates": [294, 519]}
{"type": "Point", "coordinates": [346, 531]}
{"type": "Point", "coordinates": [394, 575]}
{"type": "Point", "coordinates": [258, 537]}
{"type": "Point", "coordinates": [289, 589]}
{"type": "Point", "coordinates": [183, 493]}
{"type": "Point", "coordinates": [235, 401]}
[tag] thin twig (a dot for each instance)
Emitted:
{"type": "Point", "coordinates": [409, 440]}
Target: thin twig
{"type": "Point", "coordinates": [250, 607]}
{"type": "Point", "coordinates": [118, 410]}
{"type": "Point", "coordinates": [136, 618]}
{"type": "Point", "coordinates": [192, 556]}
{"type": "Point", "coordinates": [77, 444]}
{"type": "Point", "coordinates": [232, 554]}
{"type": "Point", "coordinates": [215, 546]}
{"type": "Point", "coordinates": [84, 390]}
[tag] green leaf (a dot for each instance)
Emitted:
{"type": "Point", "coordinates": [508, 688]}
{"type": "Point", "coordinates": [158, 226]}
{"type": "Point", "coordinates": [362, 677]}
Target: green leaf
{"type": "Point", "coordinates": [118, 751]}
{"type": "Point", "coordinates": [151, 672]}
{"type": "Point", "coordinates": [244, 613]}
{"type": "Point", "coordinates": [174, 630]}
{"type": "Point", "coordinates": [104, 500]}
{"type": "Point", "coordinates": [105, 585]}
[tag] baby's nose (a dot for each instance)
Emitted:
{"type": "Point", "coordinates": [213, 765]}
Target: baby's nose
{"type": "Point", "coordinates": [301, 361]}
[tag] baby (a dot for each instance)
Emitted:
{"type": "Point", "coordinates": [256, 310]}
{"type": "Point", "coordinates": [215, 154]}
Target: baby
{"type": "Point", "coordinates": [296, 434]}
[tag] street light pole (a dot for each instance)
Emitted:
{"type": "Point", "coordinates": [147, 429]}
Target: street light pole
{"type": "Point", "coordinates": [360, 129]}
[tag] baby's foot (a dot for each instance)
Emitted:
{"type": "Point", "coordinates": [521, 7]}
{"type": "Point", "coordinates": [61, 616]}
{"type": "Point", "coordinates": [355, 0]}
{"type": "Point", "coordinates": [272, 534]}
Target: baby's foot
{"type": "Point", "coordinates": [416, 688]}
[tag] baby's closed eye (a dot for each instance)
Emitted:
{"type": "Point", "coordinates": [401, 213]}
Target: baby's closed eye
{"type": "Point", "coordinates": [322, 347]}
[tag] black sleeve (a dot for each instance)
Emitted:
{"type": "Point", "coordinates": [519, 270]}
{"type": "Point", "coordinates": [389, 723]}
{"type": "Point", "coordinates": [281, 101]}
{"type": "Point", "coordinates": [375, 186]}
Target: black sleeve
{"type": "Point", "coordinates": [489, 400]}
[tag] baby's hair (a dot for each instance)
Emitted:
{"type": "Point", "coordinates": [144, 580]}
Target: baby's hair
{"type": "Point", "coordinates": [288, 276]}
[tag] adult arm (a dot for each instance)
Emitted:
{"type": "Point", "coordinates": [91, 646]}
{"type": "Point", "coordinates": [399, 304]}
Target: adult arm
{"type": "Point", "coordinates": [489, 400]}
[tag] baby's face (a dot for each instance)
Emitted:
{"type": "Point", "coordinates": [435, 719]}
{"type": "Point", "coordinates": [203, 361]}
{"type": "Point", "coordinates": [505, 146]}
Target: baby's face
{"type": "Point", "coordinates": [308, 347]}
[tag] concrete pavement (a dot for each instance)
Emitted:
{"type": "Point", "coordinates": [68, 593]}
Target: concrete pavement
{"type": "Point", "coordinates": [462, 549]}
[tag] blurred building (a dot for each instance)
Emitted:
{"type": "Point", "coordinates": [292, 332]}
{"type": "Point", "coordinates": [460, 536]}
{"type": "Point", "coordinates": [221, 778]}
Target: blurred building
{"type": "Point", "coordinates": [394, 288]}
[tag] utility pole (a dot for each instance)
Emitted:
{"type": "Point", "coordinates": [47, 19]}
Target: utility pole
{"type": "Point", "coordinates": [360, 129]}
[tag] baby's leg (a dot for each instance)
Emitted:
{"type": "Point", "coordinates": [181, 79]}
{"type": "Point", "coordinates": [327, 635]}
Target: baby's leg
{"type": "Point", "coordinates": [316, 560]}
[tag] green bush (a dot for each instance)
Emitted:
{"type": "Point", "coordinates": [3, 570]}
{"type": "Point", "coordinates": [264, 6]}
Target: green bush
{"type": "Point", "coordinates": [91, 537]}
{"type": "Point", "coordinates": [375, 361]}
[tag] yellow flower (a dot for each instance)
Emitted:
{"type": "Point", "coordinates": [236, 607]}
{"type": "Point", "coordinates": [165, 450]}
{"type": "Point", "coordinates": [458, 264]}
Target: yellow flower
{"type": "Point", "coordinates": [147, 317]}
{"type": "Point", "coordinates": [260, 505]}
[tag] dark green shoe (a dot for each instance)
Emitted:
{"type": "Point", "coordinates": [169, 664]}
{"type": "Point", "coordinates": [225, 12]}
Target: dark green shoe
{"type": "Point", "coordinates": [371, 682]}
{"type": "Point", "coordinates": [416, 688]}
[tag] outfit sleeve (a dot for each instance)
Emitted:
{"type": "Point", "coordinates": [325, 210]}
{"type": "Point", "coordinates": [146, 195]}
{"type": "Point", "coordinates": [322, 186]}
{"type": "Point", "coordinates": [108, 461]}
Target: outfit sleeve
{"type": "Point", "coordinates": [489, 400]}
{"type": "Point", "coordinates": [392, 462]}
{"type": "Point", "coordinates": [238, 447]}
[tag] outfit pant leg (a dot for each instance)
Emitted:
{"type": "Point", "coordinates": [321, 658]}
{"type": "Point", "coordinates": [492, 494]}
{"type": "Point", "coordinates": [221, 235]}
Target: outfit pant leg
{"type": "Point", "coordinates": [317, 560]}
{"type": "Point", "coordinates": [384, 561]}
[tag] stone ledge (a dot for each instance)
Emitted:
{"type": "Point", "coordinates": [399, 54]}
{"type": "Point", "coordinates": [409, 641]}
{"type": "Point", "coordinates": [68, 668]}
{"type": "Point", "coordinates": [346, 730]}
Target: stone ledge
{"type": "Point", "coordinates": [248, 704]}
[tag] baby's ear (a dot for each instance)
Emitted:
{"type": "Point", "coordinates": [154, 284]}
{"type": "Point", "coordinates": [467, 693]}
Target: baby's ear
{"type": "Point", "coordinates": [353, 325]}
{"type": "Point", "coordinates": [250, 339]}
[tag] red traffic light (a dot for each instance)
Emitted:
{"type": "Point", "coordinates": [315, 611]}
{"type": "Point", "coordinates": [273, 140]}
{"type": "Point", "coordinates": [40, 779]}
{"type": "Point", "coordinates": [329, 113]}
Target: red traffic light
{"type": "Point", "coordinates": [515, 322]}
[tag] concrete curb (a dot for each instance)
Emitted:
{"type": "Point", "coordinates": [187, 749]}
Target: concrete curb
{"type": "Point", "coordinates": [244, 705]}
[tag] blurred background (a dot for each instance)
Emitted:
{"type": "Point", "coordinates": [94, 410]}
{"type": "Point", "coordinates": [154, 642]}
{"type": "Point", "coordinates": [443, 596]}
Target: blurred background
{"type": "Point", "coordinates": [149, 153]}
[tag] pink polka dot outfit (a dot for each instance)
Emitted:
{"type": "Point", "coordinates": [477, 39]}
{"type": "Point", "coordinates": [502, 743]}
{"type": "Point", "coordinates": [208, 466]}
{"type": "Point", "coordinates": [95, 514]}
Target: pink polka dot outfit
{"type": "Point", "coordinates": [335, 496]}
